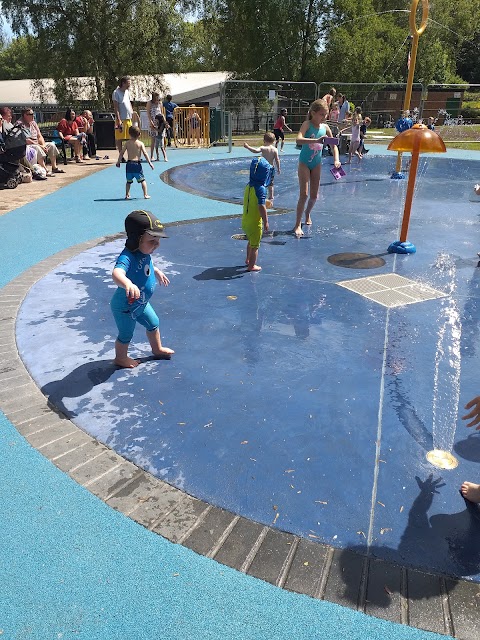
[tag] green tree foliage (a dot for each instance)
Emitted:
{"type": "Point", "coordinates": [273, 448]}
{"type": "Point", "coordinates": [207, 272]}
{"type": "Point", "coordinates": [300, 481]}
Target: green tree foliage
{"type": "Point", "coordinates": [103, 39]}
{"type": "Point", "coordinates": [468, 60]}
{"type": "Point", "coordinates": [16, 58]}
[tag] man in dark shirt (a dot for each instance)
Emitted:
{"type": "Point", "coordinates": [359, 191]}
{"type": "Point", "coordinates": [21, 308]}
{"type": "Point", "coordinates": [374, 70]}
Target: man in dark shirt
{"type": "Point", "coordinates": [169, 109]}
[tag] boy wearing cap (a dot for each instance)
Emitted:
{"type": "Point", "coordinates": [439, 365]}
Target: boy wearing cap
{"type": "Point", "coordinates": [135, 149]}
{"type": "Point", "coordinates": [136, 277]}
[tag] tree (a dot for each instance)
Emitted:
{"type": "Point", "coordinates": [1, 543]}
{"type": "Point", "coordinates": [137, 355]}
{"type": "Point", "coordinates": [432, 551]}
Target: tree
{"type": "Point", "coordinates": [16, 58]}
{"type": "Point", "coordinates": [101, 39]}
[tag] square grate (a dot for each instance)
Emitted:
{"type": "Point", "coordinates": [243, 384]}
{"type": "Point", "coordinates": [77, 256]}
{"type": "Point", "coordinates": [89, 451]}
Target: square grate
{"type": "Point", "coordinates": [391, 290]}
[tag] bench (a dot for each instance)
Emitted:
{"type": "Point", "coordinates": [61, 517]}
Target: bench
{"type": "Point", "coordinates": [50, 134]}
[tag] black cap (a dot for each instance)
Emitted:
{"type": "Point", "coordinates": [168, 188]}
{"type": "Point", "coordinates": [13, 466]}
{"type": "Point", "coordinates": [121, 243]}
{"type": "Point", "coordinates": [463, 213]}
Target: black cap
{"type": "Point", "coordinates": [139, 222]}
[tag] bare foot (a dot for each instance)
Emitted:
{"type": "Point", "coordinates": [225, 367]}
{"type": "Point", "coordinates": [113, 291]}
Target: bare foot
{"type": "Point", "coordinates": [470, 491]}
{"type": "Point", "coordinates": [254, 268]}
{"type": "Point", "coordinates": [308, 221]}
{"type": "Point", "coordinates": [127, 197]}
{"type": "Point", "coordinates": [147, 197]}
{"type": "Point", "coordinates": [298, 231]}
{"type": "Point", "coordinates": [126, 363]}
{"type": "Point", "coordinates": [163, 353]}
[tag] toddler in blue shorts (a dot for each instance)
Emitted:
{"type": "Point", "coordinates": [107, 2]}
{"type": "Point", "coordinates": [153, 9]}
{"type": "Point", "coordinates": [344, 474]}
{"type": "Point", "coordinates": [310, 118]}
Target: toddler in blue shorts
{"type": "Point", "coordinates": [136, 277]}
{"type": "Point", "coordinates": [134, 149]}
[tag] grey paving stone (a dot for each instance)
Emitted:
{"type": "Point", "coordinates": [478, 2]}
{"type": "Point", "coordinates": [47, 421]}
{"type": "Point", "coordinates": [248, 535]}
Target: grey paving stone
{"type": "Point", "coordinates": [80, 455]}
{"type": "Point", "coordinates": [11, 384]}
{"type": "Point", "coordinates": [108, 484]}
{"type": "Point", "coordinates": [57, 430]}
{"type": "Point", "coordinates": [62, 445]}
{"type": "Point", "coordinates": [162, 500]}
{"type": "Point", "coordinates": [7, 316]}
{"type": "Point", "coordinates": [465, 608]}
{"type": "Point", "coordinates": [383, 590]}
{"type": "Point", "coordinates": [9, 289]}
{"type": "Point", "coordinates": [45, 421]}
{"type": "Point", "coordinates": [306, 568]}
{"type": "Point", "coordinates": [24, 396]}
{"type": "Point", "coordinates": [17, 414]}
{"type": "Point", "coordinates": [203, 538]}
{"type": "Point", "coordinates": [270, 558]}
{"type": "Point", "coordinates": [239, 543]}
{"type": "Point", "coordinates": [425, 609]}
{"type": "Point", "coordinates": [179, 521]}
{"type": "Point", "coordinates": [127, 497]}
{"type": "Point", "coordinates": [11, 368]}
{"type": "Point", "coordinates": [344, 578]}
{"type": "Point", "coordinates": [96, 467]}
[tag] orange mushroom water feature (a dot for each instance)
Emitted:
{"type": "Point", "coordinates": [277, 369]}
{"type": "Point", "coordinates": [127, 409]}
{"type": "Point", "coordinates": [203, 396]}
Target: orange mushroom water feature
{"type": "Point", "coordinates": [418, 140]}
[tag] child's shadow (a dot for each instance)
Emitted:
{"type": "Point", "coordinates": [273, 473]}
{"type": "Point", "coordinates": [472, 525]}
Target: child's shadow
{"type": "Point", "coordinates": [222, 273]}
{"type": "Point", "coordinates": [80, 382]}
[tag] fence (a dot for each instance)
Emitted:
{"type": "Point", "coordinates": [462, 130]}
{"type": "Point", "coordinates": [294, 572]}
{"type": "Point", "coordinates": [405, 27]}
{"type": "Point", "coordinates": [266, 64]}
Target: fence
{"type": "Point", "coordinates": [455, 108]}
{"type": "Point", "coordinates": [191, 126]}
{"type": "Point", "coordinates": [255, 105]}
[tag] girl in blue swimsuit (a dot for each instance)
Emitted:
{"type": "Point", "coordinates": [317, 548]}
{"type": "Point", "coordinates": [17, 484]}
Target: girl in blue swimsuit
{"type": "Point", "coordinates": [311, 136]}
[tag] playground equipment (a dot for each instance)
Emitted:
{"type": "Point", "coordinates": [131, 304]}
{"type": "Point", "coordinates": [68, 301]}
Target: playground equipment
{"type": "Point", "coordinates": [415, 33]}
{"type": "Point", "coordinates": [418, 140]}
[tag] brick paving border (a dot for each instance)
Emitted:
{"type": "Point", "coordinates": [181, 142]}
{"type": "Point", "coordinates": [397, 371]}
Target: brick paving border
{"type": "Point", "coordinates": [379, 588]}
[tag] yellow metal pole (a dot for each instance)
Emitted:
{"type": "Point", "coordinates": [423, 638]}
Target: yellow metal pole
{"type": "Point", "coordinates": [416, 33]}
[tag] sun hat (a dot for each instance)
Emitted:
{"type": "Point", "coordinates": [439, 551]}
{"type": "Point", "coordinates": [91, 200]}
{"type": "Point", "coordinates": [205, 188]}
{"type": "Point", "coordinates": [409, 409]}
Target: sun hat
{"type": "Point", "coordinates": [139, 222]}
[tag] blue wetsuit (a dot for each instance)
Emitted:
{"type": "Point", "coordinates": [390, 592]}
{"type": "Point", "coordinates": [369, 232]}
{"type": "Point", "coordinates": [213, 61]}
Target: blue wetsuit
{"type": "Point", "coordinates": [139, 269]}
{"type": "Point", "coordinates": [261, 173]}
{"type": "Point", "coordinates": [311, 155]}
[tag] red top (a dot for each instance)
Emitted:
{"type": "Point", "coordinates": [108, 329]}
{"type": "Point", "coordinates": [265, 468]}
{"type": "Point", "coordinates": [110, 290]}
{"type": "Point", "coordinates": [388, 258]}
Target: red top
{"type": "Point", "coordinates": [68, 129]}
{"type": "Point", "coordinates": [280, 123]}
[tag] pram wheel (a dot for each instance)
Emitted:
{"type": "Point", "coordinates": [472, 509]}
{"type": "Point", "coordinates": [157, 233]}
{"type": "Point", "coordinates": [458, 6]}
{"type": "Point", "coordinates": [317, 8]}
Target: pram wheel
{"type": "Point", "coordinates": [11, 183]}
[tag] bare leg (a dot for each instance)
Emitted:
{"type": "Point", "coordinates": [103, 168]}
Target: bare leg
{"type": "Point", "coordinates": [144, 189]}
{"type": "Point", "coordinates": [314, 186]}
{"type": "Point", "coordinates": [118, 144]}
{"type": "Point", "coordinates": [164, 151]}
{"type": "Point", "coordinates": [270, 192]}
{"type": "Point", "coordinates": [252, 260]}
{"type": "Point", "coordinates": [127, 190]}
{"type": "Point", "coordinates": [470, 491]}
{"type": "Point", "coordinates": [121, 357]}
{"type": "Point", "coordinates": [152, 148]}
{"type": "Point", "coordinates": [303, 183]}
{"type": "Point", "coordinates": [156, 343]}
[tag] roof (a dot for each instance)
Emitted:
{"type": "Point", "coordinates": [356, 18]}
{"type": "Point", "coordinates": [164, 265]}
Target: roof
{"type": "Point", "coordinates": [184, 87]}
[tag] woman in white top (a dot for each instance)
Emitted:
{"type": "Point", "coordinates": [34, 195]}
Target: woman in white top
{"type": "Point", "coordinates": [153, 108]}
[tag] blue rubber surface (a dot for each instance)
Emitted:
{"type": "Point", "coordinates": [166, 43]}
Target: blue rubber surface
{"type": "Point", "coordinates": [74, 568]}
{"type": "Point", "coordinates": [275, 395]}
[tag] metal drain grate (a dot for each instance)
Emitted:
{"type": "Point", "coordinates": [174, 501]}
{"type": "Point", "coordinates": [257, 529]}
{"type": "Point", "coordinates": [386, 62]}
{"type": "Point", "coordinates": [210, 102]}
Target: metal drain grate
{"type": "Point", "coordinates": [391, 290]}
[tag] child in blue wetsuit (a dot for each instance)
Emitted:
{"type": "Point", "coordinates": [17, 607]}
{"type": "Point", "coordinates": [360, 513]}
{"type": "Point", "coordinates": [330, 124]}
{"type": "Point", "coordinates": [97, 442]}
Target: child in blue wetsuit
{"type": "Point", "coordinates": [136, 277]}
{"type": "Point", "coordinates": [310, 137]}
{"type": "Point", "coordinates": [255, 219]}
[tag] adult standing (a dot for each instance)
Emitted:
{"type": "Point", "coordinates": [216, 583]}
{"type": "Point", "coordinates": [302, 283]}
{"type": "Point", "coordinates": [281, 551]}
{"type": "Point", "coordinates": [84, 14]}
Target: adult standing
{"type": "Point", "coordinates": [153, 109]}
{"type": "Point", "coordinates": [344, 108]}
{"type": "Point", "coordinates": [169, 107]}
{"type": "Point", "coordinates": [330, 97]}
{"type": "Point", "coordinates": [122, 106]}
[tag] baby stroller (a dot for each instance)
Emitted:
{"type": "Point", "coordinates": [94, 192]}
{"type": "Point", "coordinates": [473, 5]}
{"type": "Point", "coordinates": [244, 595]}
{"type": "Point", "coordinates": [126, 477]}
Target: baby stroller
{"type": "Point", "coordinates": [12, 150]}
